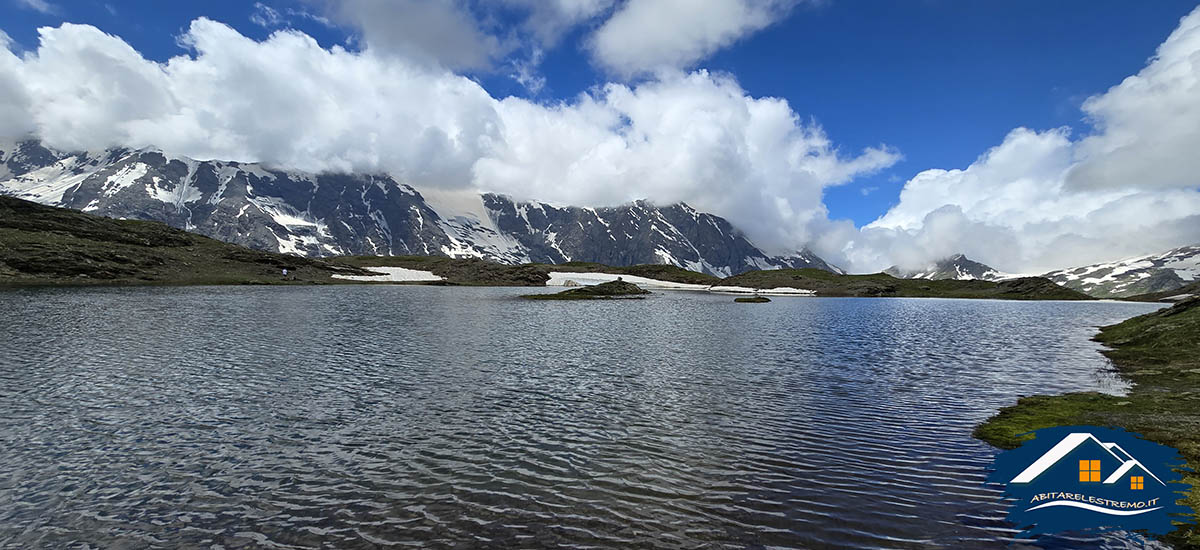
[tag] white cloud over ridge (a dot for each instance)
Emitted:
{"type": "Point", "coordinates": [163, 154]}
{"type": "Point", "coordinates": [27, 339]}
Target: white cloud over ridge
{"type": "Point", "coordinates": [1042, 200]}
{"type": "Point", "coordinates": [286, 101]}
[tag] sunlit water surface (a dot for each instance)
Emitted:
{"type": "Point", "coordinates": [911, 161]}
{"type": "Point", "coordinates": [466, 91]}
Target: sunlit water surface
{"type": "Point", "coordinates": [348, 417]}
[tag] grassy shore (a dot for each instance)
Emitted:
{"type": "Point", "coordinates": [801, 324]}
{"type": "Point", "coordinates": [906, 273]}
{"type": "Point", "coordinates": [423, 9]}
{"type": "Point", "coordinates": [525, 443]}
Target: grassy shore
{"type": "Point", "coordinates": [825, 283]}
{"type": "Point", "coordinates": [1159, 353]}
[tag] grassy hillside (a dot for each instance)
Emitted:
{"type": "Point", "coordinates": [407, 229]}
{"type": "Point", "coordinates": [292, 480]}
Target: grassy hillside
{"type": "Point", "coordinates": [881, 284]}
{"type": "Point", "coordinates": [41, 245]}
{"type": "Point", "coordinates": [1160, 354]}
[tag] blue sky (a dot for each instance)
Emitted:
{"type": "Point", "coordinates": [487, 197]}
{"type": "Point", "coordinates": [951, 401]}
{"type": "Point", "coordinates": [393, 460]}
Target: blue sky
{"type": "Point", "coordinates": [941, 81]}
{"type": "Point", "coordinates": [1068, 128]}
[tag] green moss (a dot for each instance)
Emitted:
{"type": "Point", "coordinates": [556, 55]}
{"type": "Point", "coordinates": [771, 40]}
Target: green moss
{"type": "Point", "coordinates": [1160, 354]}
{"type": "Point", "coordinates": [752, 300]}
{"type": "Point", "coordinates": [1167, 337]}
{"type": "Point", "coordinates": [1010, 427]}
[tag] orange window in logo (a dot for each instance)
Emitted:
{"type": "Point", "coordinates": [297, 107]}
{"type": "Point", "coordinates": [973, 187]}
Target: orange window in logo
{"type": "Point", "coordinates": [1137, 482]}
{"type": "Point", "coordinates": [1089, 471]}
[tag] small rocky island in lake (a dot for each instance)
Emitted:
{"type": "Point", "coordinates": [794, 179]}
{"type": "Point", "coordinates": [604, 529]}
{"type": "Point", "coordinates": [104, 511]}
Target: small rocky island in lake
{"type": "Point", "coordinates": [605, 291]}
{"type": "Point", "coordinates": [752, 299]}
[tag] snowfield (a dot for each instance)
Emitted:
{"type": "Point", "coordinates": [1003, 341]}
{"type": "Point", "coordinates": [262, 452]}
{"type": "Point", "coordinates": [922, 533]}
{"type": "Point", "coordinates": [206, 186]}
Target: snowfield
{"type": "Point", "coordinates": [568, 278]}
{"type": "Point", "coordinates": [393, 275]}
{"type": "Point", "coordinates": [558, 278]}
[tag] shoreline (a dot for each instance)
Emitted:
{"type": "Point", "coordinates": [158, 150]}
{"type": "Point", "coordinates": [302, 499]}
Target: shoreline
{"type": "Point", "coordinates": [360, 280]}
{"type": "Point", "coordinates": [1158, 353]}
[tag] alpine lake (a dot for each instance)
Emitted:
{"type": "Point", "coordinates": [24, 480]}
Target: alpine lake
{"type": "Point", "coordinates": [459, 417]}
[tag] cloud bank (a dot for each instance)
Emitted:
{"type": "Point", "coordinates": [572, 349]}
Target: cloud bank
{"type": "Point", "coordinates": [286, 101]}
{"type": "Point", "coordinates": [627, 38]}
{"type": "Point", "coordinates": [646, 36]}
{"type": "Point", "coordinates": [1040, 200]}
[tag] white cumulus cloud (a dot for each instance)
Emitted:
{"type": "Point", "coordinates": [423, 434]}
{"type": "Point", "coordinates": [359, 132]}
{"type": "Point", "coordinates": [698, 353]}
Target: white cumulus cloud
{"type": "Point", "coordinates": [1045, 200]}
{"type": "Point", "coordinates": [691, 137]}
{"type": "Point", "coordinates": [287, 101]}
{"type": "Point", "coordinates": [549, 19]}
{"type": "Point", "coordinates": [1040, 200]}
{"type": "Point", "coordinates": [442, 32]}
{"type": "Point", "coordinates": [645, 36]}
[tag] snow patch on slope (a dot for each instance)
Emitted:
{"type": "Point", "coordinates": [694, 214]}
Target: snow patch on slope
{"type": "Point", "coordinates": [1176, 267]}
{"type": "Point", "coordinates": [47, 185]}
{"type": "Point", "coordinates": [124, 177]}
{"type": "Point", "coordinates": [560, 278]}
{"type": "Point", "coordinates": [472, 230]}
{"type": "Point", "coordinates": [393, 275]}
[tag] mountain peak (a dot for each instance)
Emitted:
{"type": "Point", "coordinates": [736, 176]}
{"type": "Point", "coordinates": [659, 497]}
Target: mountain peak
{"type": "Point", "coordinates": [1145, 274]}
{"type": "Point", "coordinates": [331, 214]}
{"type": "Point", "coordinates": [957, 267]}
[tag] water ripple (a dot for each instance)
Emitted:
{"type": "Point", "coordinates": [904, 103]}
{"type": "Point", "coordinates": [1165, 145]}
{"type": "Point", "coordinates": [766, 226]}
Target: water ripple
{"type": "Point", "coordinates": [372, 417]}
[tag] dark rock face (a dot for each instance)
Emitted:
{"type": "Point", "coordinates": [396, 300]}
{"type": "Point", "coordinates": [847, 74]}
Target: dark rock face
{"type": "Point", "coordinates": [339, 214]}
{"type": "Point", "coordinates": [638, 233]}
{"type": "Point", "coordinates": [25, 156]}
{"type": "Point", "coordinates": [245, 204]}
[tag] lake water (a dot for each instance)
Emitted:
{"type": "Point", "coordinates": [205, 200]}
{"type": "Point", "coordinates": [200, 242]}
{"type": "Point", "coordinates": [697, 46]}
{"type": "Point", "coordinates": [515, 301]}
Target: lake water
{"type": "Point", "coordinates": [377, 416]}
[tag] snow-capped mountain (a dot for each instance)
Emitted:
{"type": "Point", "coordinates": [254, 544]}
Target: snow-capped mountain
{"type": "Point", "coordinates": [1130, 277]}
{"type": "Point", "coordinates": [331, 214]}
{"type": "Point", "coordinates": [955, 267]}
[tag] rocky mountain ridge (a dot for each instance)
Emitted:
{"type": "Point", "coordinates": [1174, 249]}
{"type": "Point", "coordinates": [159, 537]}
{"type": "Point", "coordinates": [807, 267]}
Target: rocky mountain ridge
{"type": "Point", "coordinates": [353, 214]}
{"type": "Point", "coordinates": [1148, 274]}
{"type": "Point", "coordinates": [957, 267]}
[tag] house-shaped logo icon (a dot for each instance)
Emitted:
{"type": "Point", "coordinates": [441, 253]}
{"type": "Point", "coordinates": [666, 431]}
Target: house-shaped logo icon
{"type": "Point", "coordinates": [1097, 461]}
{"type": "Point", "coordinates": [1071, 478]}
